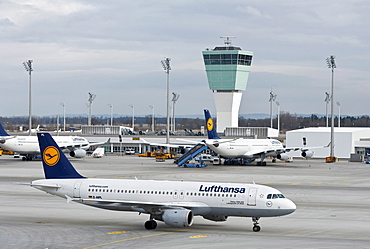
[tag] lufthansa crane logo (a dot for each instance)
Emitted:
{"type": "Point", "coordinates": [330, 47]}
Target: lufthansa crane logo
{"type": "Point", "coordinates": [51, 155]}
{"type": "Point", "coordinates": [210, 124]}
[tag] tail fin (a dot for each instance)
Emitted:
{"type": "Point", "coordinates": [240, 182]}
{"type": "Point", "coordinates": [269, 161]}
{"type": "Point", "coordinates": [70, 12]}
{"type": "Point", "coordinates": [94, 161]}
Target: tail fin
{"type": "Point", "coordinates": [211, 129]}
{"type": "Point", "coordinates": [56, 165]}
{"type": "Point", "coordinates": [2, 131]}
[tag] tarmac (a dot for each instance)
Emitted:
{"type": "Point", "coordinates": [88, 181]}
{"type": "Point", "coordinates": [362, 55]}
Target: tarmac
{"type": "Point", "coordinates": [333, 207]}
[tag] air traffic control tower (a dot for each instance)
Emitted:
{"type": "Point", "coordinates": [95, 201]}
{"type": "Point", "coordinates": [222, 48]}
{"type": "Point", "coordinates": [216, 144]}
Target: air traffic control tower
{"type": "Point", "coordinates": [227, 70]}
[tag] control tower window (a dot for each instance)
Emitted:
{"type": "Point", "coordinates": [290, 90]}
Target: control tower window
{"type": "Point", "coordinates": [245, 60]}
{"type": "Point", "coordinates": [215, 59]}
{"type": "Point", "coordinates": [221, 59]}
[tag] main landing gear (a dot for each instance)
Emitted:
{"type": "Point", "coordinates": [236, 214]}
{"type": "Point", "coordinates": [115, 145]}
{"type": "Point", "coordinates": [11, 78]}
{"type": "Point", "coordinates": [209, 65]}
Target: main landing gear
{"type": "Point", "coordinates": [150, 224]}
{"type": "Point", "coordinates": [27, 158]}
{"type": "Point", "coordinates": [256, 227]}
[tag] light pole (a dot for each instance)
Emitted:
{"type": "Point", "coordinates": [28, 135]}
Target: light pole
{"type": "Point", "coordinates": [111, 114]}
{"type": "Point", "coordinates": [152, 107]}
{"type": "Point", "coordinates": [64, 116]}
{"type": "Point", "coordinates": [272, 99]}
{"type": "Point", "coordinates": [91, 99]}
{"type": "Point", "coordinates": [133, 117]}
{"type": "Point", "coordinates": [175, 97]}
{"type": "Point", "coordinates": [278, 116]}
{"type": "Point", "coordinates": [28, 66]}
{"type": "Point", "coordinates": [327, 100]}
{"type": "Point", "coordinates": [331, 64]}
{"type": "Point", "coordinates": [166, 66]}
{"type": "Point", "coordinates": [338, 103]}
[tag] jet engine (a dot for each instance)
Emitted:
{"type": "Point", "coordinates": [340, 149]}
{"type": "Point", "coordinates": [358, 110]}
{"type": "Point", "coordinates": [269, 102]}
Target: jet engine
{"type": "Point", "coordinates": [178, 217]}
{"type": "Point", "coordinates": [282, 156]}
{"type": "Point", "coordinates": [213, 217]}
{"type": "Point", "coordinates": [78, 153]}
{"type": "Point", "coordinates": [307, 154]}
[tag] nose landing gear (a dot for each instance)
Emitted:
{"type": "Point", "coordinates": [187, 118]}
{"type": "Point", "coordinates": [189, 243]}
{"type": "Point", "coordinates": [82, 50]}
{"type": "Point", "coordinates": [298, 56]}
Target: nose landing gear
{"type": "Point", "coordinates": [256, 227]}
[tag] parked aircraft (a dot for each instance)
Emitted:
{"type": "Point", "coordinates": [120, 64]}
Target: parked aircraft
{"type": "Point", "coordinates": [249, 149]}
{"type": "Point", "coordinates": [27, 146]}
{"type": "Point", "coordinates": [173, 202]}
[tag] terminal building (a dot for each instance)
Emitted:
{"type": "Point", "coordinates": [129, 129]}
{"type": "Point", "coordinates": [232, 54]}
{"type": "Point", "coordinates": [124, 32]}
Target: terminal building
{"type": "Point", "coordinates": [227, 69]}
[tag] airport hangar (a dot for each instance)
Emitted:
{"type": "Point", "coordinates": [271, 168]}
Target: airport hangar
{"type": "Point", "coordinates": [351, 143]}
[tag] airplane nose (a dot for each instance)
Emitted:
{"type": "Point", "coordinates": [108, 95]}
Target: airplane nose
{"type": "Point", "coordinates": [290, 206]}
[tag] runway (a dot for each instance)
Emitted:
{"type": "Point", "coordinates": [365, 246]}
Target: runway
{"type": "Point", "coordinates": [333, 207]}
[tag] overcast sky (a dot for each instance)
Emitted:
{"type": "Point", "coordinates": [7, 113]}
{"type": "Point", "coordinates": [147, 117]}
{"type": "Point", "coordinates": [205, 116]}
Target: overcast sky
{"type": "Point", "coordinates": [113, 49]}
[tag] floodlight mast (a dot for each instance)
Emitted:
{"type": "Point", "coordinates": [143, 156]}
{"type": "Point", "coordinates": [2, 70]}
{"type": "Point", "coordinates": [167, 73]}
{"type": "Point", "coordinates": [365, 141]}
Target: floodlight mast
{"type": "Point", "coordinates": [272, 99]}
{"type": "Point", "coordinates": [133, 116]}
{"type": "Point", "coordinates": [338, 103]}
{"type": "Point", "coordinates": [152, 107]}
{"type": "Point", "coordinates": [331, 64]}
{"type": "Point", "coordinates": [91, 99]}
{"type": "Point", "coordinates": [175, 97]}
{"type": "Point", "coordinates": [111, 114]}
{"type": "Point", "coordinates": [28, 66]}
{"type": "Point", "coordinates": [166, 66]}
{"type": "Point", "coordinates": [278, 116]}
{"type": "Point", "coordinates": [327, 100]}
{"type": "Point", "coordinates": [64, 116]}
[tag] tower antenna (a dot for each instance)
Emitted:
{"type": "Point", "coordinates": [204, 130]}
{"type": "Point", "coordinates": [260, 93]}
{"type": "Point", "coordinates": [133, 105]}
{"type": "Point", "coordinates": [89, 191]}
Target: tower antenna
{"type": "Point", "coordinates": [227, 41]}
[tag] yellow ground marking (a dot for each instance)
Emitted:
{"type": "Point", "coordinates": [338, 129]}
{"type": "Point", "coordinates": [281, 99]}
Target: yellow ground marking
{"type": "Point", "coordinates": [140, 237]}
{"type": "Point", "coordinates": [118, 232]}
{"type": "Point", "coordinates": [198, 236]}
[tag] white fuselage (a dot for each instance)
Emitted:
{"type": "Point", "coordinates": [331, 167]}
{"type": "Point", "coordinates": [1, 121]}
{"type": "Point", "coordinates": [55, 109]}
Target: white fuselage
{"type": "Point", "coordinates": [203, 198]}
{"type": "Point", "coordinates": [245, 148]}
{"type": "Point", "coordinates": [29, 145]}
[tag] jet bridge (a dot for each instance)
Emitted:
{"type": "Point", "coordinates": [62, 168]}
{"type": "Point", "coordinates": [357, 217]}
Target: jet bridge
{"type": "Point", "coordinates": [190, 154]}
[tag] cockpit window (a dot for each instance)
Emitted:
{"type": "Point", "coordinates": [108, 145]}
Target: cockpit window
{"type": "Point", "coordinates": [275, 196]}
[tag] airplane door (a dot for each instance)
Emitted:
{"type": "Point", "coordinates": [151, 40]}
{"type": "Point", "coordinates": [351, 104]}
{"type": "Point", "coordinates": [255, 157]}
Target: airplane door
{"type": "Point", "coordinates": [182, 194]}
{"type": "Point", "coordinates": [76, 190]}
{"type": "Point", "coordinates": [252, 197]}
{"type": "Point", "coordinates": [175, 194]}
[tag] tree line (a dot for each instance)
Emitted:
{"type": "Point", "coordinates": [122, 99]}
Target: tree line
{"type": "Point", "coordinates": [287, 122]}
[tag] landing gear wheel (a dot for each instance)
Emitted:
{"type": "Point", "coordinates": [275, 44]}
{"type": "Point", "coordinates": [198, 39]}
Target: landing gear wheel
{"type": "Point", "coordinates": [256, 228]}
{"type": "Point", "coordinates": [150, 224]}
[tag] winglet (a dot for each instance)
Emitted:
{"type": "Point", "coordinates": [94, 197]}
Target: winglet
{"type": "Point", "coordinates": [56, 165]}
{"type": "Point", "coordinates": [211, 129]}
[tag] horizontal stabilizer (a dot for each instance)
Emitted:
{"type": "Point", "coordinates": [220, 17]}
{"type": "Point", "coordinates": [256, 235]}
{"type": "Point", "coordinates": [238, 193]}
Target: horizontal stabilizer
{"type": "Point", "coordinates": [45, 185]}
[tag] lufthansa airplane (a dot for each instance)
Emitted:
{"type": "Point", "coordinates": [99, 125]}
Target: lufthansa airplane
{"type": "Point", "coordinates": [28, 147]}
{"type": "Point", "coordinates": [173, 202]}
{"type": "Point", "coordinates": [249, 149]}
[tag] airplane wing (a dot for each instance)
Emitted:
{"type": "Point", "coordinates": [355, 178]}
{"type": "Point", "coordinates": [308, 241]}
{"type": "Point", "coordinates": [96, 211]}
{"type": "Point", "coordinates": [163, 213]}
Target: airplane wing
{"type": "Point", "coordinates": [259, 153]}
{"type": "Point", "coordinates": [148, 207]}
{"type": "Point", "coordinates": [3, 138]}
{"type": "Point", "coordinates": [100, 143]}
{"type": "Point", "coordinates": [306, 148]}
